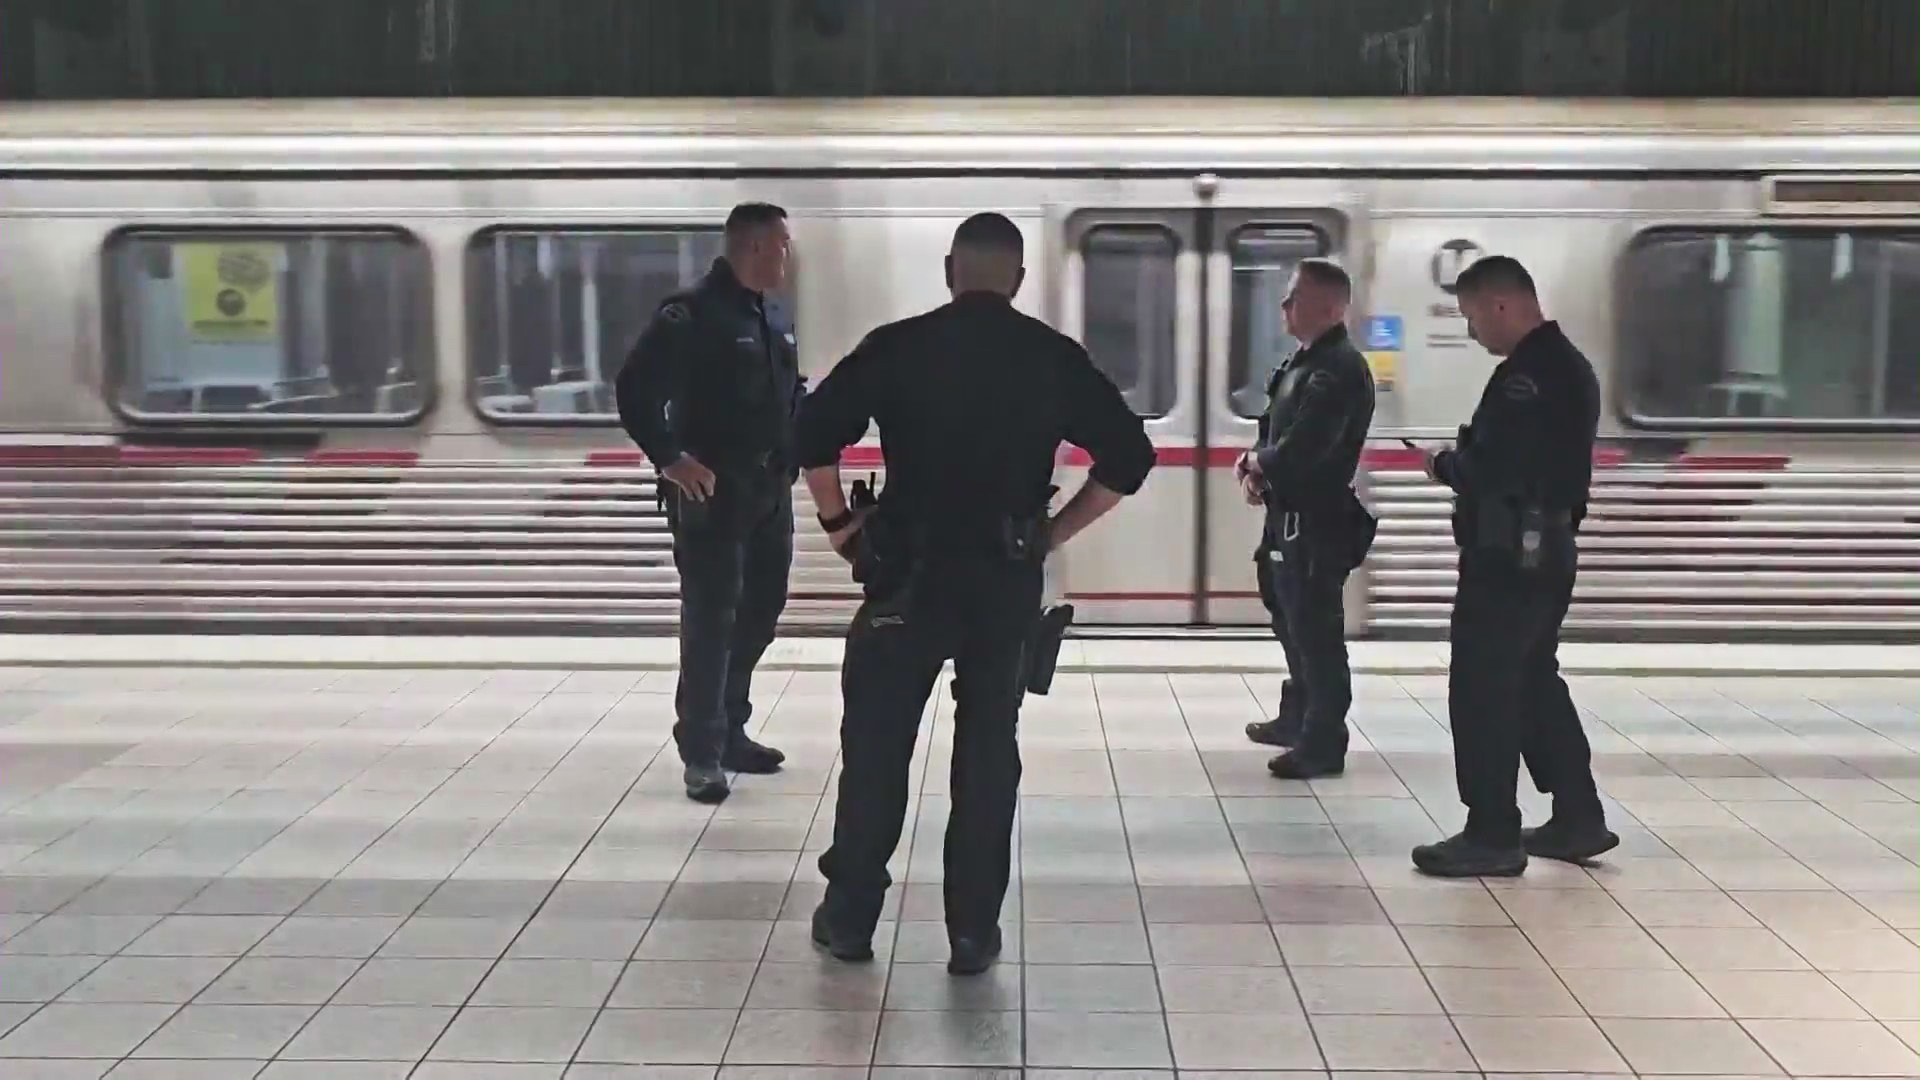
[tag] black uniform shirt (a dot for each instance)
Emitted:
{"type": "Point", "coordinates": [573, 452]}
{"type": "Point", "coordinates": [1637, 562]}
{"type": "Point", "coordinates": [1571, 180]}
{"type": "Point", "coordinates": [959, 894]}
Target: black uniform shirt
{"type": "Point", "coordinates": [973, 400]}
{"type": "Point", "coordinates": [1531, 438]}
{"type": "Point", "coordinates": [715, 374]}
{"type": "Point", "coordinates": [1320, 404]}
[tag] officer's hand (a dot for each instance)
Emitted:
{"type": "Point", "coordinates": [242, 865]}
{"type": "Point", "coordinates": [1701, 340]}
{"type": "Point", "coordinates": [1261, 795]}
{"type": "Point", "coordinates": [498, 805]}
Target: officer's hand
{"type": "Point", "coordinates": [1250, 463]}
{"type": "Point", "coordinates": [694, 480]}
{"type": "Point", "coordinates": [1250, 490]}
{"type": "Point", "coordinates": [843, 542]}
{"type": "Point", "coordinates": [1430, 463]}
{"type": "Point", "coordinates": [1240, 469]}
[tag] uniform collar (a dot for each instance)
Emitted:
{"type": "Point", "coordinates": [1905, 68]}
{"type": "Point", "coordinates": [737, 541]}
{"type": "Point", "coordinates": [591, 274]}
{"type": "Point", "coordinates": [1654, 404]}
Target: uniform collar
{"type": "Point", "coordinates": [1543, 334]}
{"type": "Point", "coordinates": [1333, 335]}
{"type": "Point", "coordinates": [724, 280]}
{"type": "Point", "coordinates": [983, 298]}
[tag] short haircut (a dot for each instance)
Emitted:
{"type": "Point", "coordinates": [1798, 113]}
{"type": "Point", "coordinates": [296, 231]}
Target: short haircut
{"type": "Point", "coordinates": [990, 232]}
{"type": "Point", "coordinates": [1499, 273]}
{"type": "Point", "coordinates": [749, 216]}
{"type": "Point", "coordinates": [1328, 274]}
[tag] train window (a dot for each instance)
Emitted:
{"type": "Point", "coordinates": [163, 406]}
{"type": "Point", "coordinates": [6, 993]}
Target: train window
{"type": "Point", "coordinates": [1128, 299]}
{"type": "Point", "coordinates": [1263, 259]}
{"type": "Point", "coordinates": [1771, 326]}
{"type": "Point", "coordinates": [271, 325]}
{"type": "Point", "coordinates": [555, 312]}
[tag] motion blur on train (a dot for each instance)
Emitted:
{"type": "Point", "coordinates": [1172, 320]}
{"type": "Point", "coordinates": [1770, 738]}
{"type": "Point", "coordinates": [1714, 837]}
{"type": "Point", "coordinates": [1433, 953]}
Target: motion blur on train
{"type": "Point", "coordinates": [339, 366]}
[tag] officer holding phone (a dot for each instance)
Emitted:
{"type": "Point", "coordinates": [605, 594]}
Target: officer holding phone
{"type": "Point", "coordinates": [1520, 476]}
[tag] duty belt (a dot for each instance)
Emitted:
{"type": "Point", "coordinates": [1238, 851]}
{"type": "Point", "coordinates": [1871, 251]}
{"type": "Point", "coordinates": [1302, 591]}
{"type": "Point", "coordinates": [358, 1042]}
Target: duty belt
{"type": "Point", "coordinates": [735, 460]}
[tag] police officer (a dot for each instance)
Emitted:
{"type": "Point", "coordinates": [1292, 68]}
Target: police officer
{"type": "Point", "coordinates": [972, 400]}
{"type": "Point", "coordinates": [1520, 476]}
{"type": "Point", "coordinates": [1316, 530]}
{"type": "Point", "coordinates": [709, 393]}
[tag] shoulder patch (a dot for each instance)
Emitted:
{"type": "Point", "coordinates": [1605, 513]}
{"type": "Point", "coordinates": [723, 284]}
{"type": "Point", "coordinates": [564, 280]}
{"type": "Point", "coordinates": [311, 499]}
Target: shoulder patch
{"type": "Point", "coordinates": [676, 311]}
{"type": "Point", "coordinates": [1519, 388]}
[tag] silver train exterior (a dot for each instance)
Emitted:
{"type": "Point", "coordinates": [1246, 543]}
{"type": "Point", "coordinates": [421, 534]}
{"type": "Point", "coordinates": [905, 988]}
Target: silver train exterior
{"type": "Point", "coordinates": [342, 365]}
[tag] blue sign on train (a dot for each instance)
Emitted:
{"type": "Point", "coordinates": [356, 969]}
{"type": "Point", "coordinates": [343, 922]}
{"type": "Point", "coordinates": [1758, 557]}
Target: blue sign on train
{"type": "Point", "coordinates": [1384, 334]}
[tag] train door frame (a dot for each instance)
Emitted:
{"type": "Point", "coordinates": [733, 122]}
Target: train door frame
{"type": "Point", "coordinates": [1100, 572]}
{"type": "Point", "coordinates": [1228, 529]}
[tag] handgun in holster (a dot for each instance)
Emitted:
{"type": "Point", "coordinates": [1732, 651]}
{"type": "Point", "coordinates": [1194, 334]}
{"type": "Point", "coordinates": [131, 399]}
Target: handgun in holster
{"type": "Point", "coordinates": [880, 563]}
{"type": "Point", "coordinates": [1043, 647]}
{"type": "Point", "coordinates": [863, 496]}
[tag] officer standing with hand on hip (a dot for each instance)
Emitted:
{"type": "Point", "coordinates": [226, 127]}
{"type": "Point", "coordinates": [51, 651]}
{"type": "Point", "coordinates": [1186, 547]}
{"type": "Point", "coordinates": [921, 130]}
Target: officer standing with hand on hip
{"type": "Point", "coordinates": [1316, 530]}
{"type": "Point", "coordinates": [1520, 477]}
{"type": "Point", "coordinates": [972, 400]}
{"type": "Point", "coordinates": [709, 393]}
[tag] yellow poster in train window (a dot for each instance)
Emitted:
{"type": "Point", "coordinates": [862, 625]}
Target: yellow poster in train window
{"type": "Point", "coordinates": [231, 292]}
{"type": "Point", "coordinates": [1385, 367]}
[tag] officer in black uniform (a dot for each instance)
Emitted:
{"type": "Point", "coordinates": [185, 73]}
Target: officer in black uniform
{"type": "Point", "coordinates": [709, 393]}
{"type": "Point", "coordinates": [972, 400]}
{"type": "Point", "coordinates": [1520, 476]}
{"type": "Point", "coordinates": [1316, 530]}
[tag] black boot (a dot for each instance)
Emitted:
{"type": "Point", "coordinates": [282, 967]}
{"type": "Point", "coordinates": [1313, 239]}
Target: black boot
{"type": "Point", "coordinates": [1301, 765]}
{"type": "Point", "coordinates": [974, 953]}
{"type": "Point", "coordinates": [839, 945]}
{"type": "Point", "coordinates": [743, 755]}
{"type": "Point", "coordinates": [1569, 839]}
{"type": "Point", "coordinates": [705, 784]}
{"type": "Point", "coordinates": [1283, 730]}
{"type": "Point", "coordinates": [1462, 856]}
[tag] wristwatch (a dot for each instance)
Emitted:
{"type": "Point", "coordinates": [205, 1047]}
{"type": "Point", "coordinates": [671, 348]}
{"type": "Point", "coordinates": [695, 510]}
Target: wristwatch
{"type": "Point", "coordinates": [838, 522]}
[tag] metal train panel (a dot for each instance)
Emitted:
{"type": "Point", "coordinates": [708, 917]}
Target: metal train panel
{"type": "Point", "coordinates": [347, 369]}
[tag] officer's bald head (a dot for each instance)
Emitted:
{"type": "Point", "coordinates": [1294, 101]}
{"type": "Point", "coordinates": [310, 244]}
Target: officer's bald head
{"type": "Point", "coordinates": [988, 255]}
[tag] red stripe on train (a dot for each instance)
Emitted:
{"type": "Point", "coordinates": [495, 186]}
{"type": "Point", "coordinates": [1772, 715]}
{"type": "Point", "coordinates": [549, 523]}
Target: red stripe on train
{"type": "Point", "coordinates": [1162, 596]}
{"type": "Point", "coordinates": [58, 454]}
{"type": "Point", "coordinates": [188, 455]}
{"type": "Point", "coordinates": [1381, 459]}
{"type": "Point", "coordinates": [616, 458]}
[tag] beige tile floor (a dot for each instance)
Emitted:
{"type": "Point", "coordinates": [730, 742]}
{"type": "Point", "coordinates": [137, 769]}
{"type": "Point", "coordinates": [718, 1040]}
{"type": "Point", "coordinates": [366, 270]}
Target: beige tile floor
{"type": "Point", "coordinates": [338, 874]}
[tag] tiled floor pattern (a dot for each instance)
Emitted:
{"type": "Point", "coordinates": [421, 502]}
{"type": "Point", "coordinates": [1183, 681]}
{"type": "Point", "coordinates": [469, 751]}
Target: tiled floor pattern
{"type": "Point", "coordinates": [338, 875]}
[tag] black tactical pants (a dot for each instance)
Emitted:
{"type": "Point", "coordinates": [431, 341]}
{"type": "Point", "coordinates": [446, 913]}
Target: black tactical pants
{"type": "Point", "coordinates": [977, 612]}
{"type": "Point", "coordinates": [1506, 699]}
{"type": "Point", "coordinates": [1310, 620]}
{"type": "Point", "coordinates": [1288, 715]}
{"type": "Point", "coordinates": [734, 553]}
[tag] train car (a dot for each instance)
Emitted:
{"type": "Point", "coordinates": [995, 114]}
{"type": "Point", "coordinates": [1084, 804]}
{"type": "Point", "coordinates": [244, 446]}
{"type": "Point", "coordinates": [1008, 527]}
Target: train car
{"type": "Point", "coordinates": [344, 365]}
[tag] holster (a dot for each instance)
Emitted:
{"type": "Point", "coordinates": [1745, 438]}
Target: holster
{"type": "Point", "coordinates": [1043, 647]}
{"type": "Point", "coordinates": [882, 557]}
{"type": "Point", "coordinates": [1360, 527]}
{"type": "Point", "coordinates": [1523, 534]}
{"type": "Point", "coordinates": [1335, 533]}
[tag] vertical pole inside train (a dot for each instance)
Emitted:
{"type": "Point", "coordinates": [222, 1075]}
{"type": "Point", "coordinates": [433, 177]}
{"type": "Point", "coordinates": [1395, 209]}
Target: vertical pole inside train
{"type": "Point", "coordinates": [1202, 434]}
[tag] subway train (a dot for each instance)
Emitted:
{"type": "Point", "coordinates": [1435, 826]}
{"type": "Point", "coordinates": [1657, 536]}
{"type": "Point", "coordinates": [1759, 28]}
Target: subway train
{"type": "Point", "coordinates": [344, 366]}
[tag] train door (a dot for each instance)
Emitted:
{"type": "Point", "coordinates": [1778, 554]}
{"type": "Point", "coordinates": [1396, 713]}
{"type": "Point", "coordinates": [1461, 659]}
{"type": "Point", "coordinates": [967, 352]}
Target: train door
{"type": "Point", "coordinates": [1247, 267]}
{"type": "Point", "coordinates": [1130, 291]}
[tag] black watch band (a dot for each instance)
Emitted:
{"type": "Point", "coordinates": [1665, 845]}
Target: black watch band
{"type": "Point", "coordinates": [835, 524]}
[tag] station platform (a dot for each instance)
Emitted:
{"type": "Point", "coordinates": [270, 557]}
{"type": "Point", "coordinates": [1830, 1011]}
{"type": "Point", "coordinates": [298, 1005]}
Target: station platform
{"type": "Point", "coordinates": [365, 858]}
{"type": "Point", "coordinates": [1184, 653]}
